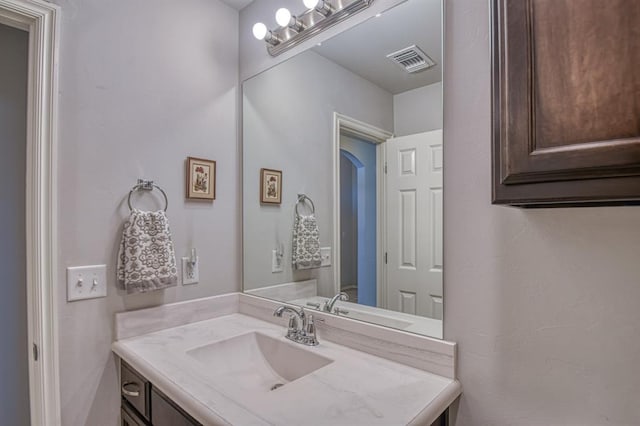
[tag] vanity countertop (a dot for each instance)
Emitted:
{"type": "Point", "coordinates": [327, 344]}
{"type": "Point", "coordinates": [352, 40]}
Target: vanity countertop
{"type": "Point", "coordinates": [355, 389]}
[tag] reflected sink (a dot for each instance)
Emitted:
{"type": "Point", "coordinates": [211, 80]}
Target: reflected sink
{"type": "Point", "coordinates": [255, 362]}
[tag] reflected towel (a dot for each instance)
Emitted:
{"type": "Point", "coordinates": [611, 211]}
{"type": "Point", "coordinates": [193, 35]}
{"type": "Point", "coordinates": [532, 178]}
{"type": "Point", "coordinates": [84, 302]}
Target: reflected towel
{"type": "Point", "coordinates": [146, 261]}
{"type": "Point", "coordinates": [306, 243]}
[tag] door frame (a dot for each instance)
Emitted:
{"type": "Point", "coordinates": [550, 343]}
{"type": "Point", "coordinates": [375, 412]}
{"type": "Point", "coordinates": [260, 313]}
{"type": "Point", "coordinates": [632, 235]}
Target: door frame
{"type": "Point", "coordinates": [42, 21]}
{"type": "Point", "coordinates": [343, 124]}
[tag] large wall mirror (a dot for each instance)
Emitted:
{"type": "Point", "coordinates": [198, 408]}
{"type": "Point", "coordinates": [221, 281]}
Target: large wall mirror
{"type": "Point", "coordinates": [342, 173]}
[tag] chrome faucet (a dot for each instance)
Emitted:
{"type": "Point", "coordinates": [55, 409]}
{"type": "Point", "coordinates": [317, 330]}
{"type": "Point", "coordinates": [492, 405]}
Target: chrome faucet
{"type": "Point", "coordinates": [302, 328]}
{"type": "Point", "coordinates": [328, 306]}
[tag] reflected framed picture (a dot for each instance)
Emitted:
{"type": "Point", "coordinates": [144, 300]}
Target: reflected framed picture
{"type": "Point", "coordinates": [201, 179]}
{"type": "Point", "coordinates": [270, 186]}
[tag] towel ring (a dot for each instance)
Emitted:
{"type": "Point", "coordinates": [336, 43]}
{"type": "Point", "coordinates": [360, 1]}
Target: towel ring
{"type": "Point", "coordinates": [147, 185]}
{"type": "Point", "coordinates": [301, 199]}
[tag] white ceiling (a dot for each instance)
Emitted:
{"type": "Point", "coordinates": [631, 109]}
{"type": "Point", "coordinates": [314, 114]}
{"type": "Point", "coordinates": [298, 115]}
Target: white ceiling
{"type": "Point", "coordinates": [363, 49]}
{"type": "Point", "coordinates": [238, 4]}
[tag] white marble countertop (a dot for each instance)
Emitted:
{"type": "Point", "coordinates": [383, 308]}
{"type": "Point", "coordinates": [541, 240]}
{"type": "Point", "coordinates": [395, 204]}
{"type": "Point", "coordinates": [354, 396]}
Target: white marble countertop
{"type": "Point", "coordinates": [355, 389]}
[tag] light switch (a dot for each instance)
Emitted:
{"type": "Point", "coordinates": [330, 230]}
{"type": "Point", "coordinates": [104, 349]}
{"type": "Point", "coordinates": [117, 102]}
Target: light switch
{"type": "Point", "coordinates": [325, 255]}
{"type": "Point", "coordinates": [86, 282]}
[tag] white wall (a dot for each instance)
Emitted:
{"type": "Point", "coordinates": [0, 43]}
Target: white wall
{"type": "Point", "coordinates": [277, 136]}
{"type": "Point", "coordinates": [543, 303]}
{"type": "Point", "coordinates": [14, 368]}
{"type": "Point", "coordinates": [143, 85]}
{"type": "Point", "coordinates": [418, 110]}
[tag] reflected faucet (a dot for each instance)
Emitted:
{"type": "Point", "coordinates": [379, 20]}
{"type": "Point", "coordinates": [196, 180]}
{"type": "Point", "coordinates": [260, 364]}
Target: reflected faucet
{"type": "Point", "coordinates": [328, 306]}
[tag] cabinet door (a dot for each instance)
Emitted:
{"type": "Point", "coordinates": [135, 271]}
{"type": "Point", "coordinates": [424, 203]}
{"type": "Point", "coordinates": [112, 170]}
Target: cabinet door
{"type": "Point", "coordinates": [566, 101]}
{"type": "Point", "coordinates": [166, 413]}
{"type": "Point", "coordinates": [129, 416]}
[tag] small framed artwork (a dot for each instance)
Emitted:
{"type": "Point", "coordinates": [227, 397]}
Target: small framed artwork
{"type": "Point", "coordinates": [270, 186]}
{"type": "Point", "coordinates": [201, 179]}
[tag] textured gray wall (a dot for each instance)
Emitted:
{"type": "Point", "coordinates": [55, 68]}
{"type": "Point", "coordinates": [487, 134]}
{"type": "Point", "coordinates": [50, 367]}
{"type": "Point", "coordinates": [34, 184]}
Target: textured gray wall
{"type": "Point", "coordinates": [418, 110]}
{"type": "Point", "coordinates": [14, 364]}
{"type": "Point", "coordinates": [143, 85]}
{"type": "Point", "coordinates": [543, 303]}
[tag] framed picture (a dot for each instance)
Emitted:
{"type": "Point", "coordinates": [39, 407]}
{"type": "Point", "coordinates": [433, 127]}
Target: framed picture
{"type": "Point", "coordinates": [201, 179]}
{"type": "Point", "coordinates": [270, 186]}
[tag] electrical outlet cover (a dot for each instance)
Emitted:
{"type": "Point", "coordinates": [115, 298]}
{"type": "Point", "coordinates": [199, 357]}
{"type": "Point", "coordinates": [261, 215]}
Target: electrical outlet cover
{"type": "Point", "coordinates": [325, 255]}
{"type": "Point", "coordinates": [194, 276]}
{"type": "Point", "coordinates": [276, 262]}
{"type": "Point", "coordinates": [86, 282]}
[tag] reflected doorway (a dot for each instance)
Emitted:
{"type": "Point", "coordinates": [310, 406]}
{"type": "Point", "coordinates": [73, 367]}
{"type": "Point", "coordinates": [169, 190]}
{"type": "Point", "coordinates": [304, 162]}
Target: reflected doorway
{"type": "Point", "coordinates": [359, 162]}
{"type": "Point", "coordinates": [358, 219]}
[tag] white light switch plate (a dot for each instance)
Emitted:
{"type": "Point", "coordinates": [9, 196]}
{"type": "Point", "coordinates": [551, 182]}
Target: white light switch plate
{"type": "Point", "coordinates": [190, 275]}
{"type": "Point", "coordinates": [86, 282]}
{"type": "Point", "coordinates": [325, 255]}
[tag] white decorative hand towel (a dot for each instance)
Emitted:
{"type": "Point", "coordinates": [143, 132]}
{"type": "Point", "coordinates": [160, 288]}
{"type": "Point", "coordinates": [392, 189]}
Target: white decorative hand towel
{"type": "Point", "coordinates": [146, 261]}
{"type": "Point", "coordinates": [306, 242]}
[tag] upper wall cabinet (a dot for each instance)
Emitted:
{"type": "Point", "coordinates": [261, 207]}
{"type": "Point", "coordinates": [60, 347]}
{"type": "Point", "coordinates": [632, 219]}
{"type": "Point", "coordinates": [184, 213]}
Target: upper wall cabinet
{"type": "Point", "coordinates": [566, 102]}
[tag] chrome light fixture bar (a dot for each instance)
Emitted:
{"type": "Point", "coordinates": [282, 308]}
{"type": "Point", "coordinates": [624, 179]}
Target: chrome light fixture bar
{"type": "Point", "coordinates": [293, 30]}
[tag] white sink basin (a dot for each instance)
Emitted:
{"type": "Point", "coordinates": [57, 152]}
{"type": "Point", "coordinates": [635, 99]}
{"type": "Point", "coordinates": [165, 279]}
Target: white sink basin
{"type": "Point", "coordinates": [255, 362]}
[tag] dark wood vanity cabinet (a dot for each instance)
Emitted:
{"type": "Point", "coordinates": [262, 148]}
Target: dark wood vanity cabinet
{"type": "Point", "coordinates": [144, 405]}
{"type": "Point", "coordinates": [566, 102]}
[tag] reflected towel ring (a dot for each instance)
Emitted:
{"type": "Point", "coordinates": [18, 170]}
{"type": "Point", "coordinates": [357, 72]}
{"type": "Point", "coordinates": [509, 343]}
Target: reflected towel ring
{"type": "Point", "coordinates": [301, 199]}
{"type": "Point", "coordinates": [147, 185]}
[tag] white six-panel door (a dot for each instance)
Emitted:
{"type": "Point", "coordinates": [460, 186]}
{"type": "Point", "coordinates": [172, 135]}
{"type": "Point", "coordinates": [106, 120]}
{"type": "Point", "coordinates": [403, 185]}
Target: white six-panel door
{"type": "Point", "coordinates": [414, 224]}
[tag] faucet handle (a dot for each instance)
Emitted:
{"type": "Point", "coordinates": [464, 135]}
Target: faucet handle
{"type": "Point", "coordinates": [293, 322]}
{"type": "Point", "coordinates": [309, 326]}
{"type": "Point", "coordinates": [310, 332]}
{"type": "Point", "coordinates": [292, 330]}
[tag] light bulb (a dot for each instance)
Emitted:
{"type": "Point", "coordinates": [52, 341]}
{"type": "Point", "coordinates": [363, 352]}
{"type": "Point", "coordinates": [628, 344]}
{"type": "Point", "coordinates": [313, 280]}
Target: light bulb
{"type": "Point", "coordinates": [260, 31]}
{"type": "Point", "coordinates": [283, 16]}
{"type": "Point", "coordinates": [310, 4]}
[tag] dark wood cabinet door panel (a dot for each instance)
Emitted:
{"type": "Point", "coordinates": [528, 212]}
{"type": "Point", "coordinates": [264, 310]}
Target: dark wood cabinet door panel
{"type": "Point", "coordinates": [566, 101]}
{"type": "Point", "coordinates": [166, 413]}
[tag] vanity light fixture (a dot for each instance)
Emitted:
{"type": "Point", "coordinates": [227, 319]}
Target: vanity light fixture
{"type": "Point", "coordinates": [285, 19]}
{"type": "Point", "coordinates": [261, 32]}
{"type": "Point", "coordinates": [321, 6]}
{"type": "Point", "coordinates": [293, 30]}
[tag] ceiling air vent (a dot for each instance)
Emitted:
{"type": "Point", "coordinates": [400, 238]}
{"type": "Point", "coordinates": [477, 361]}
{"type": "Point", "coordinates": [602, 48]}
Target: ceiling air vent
{"type": "Point", "coordinates": [412, 59]}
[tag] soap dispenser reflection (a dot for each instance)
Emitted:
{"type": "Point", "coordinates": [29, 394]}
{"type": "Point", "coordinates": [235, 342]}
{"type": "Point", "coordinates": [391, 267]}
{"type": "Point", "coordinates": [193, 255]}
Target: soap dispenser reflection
{"type": "Point", "coordinates": [190, 270]}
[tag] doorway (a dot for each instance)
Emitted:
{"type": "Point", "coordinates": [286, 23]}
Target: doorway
{"type": "Point", "coordinates": [358, 219]}
{"type": "Point", "coordinates": [41, 22]}
{"type": "Point", "coordinates": [358, 166]}
{"type": "Point", "coordinates": [14, 352]}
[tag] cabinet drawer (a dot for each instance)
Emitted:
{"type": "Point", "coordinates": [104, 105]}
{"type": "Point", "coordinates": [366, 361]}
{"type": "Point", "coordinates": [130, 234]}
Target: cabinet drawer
{"type": "Point", "coordinates": [134, 389]}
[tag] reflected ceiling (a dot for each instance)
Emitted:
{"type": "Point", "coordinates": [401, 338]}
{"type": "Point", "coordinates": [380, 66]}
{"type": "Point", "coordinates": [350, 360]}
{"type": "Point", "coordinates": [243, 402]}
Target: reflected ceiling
{"type": "Point", "coordinates": [364, 48]}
